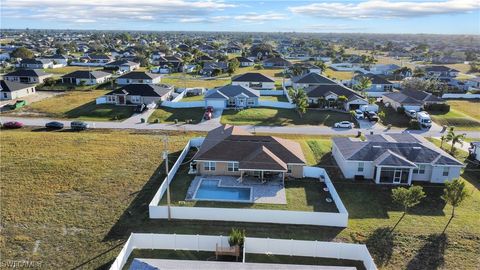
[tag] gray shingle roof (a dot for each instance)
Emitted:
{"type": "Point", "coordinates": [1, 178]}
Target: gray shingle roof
{"type": "Point", "coordinates": [85, 74]}
{"type": "Point", "coordinates": [139, 75]}
{"type": "Point", "coordinates": [8, 86]}
{"type": "Point", "coordinates": [27, 73]}
{"type": "Point", "coordinates": [145, 90]}
{"type": "Point", "coordinates": [323, 90]}
{"type": "Point", "coordinates": [398, 146]}
{"type": "Point", "coordinates": [312, 78]}
{"type": "Point", "coordinates": [231, 91]}
{"type": "Point", "coordinates": [252, 77]}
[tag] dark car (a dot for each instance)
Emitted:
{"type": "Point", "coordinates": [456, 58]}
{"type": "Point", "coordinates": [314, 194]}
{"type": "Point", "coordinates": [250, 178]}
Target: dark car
{"type": "Point", "coordinates": [54, 125]}
{"type": "Point", "coordinates": [13, 124]}
{"type": "Point", "coordinates": [140, 108]}
{"type": "Point", "coordinates": [207, 115]}
{"type": "Point", "coordinates": [78, 125]}
{"type": "Point", "coordinates": [209, 109]}
{"type": "Point", "coordinates": [372, 116]}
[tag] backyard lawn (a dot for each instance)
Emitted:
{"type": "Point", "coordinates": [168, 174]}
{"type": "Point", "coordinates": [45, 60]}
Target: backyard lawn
{"type": "Point", "coordinates": [463, 114]}
{"type": "Point", "coordinates": [282, 117]}
{"type": "Point", "coordinates": [192, 98]}
{"type": "Point", "coordinates": [77, 105]}
{"type": "Point", "coordinates": [68, 69]}
{"type": "Point", "coordinates": [338, 75]}
{"type": "Point", "coordinates": [274, 98]}
{"type": "Point", "coordinates": [190, 82]}
{"type": "Point", "coordinates": [168, 115]}
{"type": "Point", "coordinates": [73, 198]}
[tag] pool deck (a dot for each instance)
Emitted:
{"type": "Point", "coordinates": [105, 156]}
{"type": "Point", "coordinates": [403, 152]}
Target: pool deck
{"type": "Point", "coordinates": [271, 191]}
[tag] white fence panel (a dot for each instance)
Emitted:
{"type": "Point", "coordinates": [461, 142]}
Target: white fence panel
{"type": "Point", "coordinates": [463, 96]}
{"type": "Point", "coordinates": [189, 104]}
{"type": "Point", "coordinates": [375, 94]}
{"type": "Point", "coordinates": [271, 93]}
{"type": "Point", "coordinates": [275, 104]}
{"type": "Point", "coordinates": [313, 172]}
{"type": "Point", "coordinates": [101, 100]}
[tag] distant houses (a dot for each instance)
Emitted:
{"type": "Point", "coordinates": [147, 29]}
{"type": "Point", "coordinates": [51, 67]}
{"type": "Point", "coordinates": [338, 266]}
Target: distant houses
{"type": "Point", "coordinates": [12, 90]}
{"type": "Point", "coordinates": [441, 72]}
{"type": "Point", "coordinates": [139, 77]}
{"type": "Point", "coordinates": [86, 77]}
{"type": "Point", "coordinates": [123, 66]}
{"type": "Point", "coordinates": [255, 81]}
{"type": "Point", "coordinates": [27, 76]}
{"type": "Point", "coordinates": [276, 62]}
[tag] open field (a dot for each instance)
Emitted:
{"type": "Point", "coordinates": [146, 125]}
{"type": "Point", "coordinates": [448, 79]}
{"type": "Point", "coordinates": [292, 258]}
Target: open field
{"type": "Point", "coordinates": [282, 117]}
{"type": "Point", "coordinates": [95, 191]}
{"type": "Point", "coordinates": [77, 105]}
{"type": "Point", "coordinates": [463, 114]}
{"type": "Point", "coordinates": [168, 115]}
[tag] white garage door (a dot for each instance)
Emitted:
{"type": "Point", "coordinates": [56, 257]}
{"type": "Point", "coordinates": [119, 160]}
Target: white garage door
{"type": "Point", "coordinates": [215, 103]}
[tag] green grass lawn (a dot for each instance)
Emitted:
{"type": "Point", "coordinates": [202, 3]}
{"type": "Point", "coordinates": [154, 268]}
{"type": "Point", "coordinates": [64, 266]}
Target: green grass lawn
{"type": "Point", "coordinates": [192, 98]}
{"type": "Point", "coordinates": [78, 105]}
{"type": "Point", "coordinates": [69, 87]}
{"type": "Point", "coordinates": [168, 115]}
{"type": "Point", "coordinates": [282, 117]}
{"type": "Point", "coordinates": [338, 75]}
{"type": "Point", "coordinates": [78, 196]}
{"type": "Point", "coordinates": [463, 114]}
{"type": "Point", "coordinates": [190, 82]}
{"type": "Point", "coordinates": [69, 69]}
{"type": "Point", "coordinates": [274, 98]}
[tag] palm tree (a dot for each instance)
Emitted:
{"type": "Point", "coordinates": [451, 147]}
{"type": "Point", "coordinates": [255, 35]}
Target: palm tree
{"type": "Point", "coordinates": [362, 84]}
{"type": "Point", "coordinates": [342, 100]}
{"type": "Point", "coordinates": [299, 98]}
{"type": "Point", "coordinates": [454, 138]}
{"type": "Point", "coordinates": [321, 65]}
{"type": "Point", "coordinates": [442, 140]}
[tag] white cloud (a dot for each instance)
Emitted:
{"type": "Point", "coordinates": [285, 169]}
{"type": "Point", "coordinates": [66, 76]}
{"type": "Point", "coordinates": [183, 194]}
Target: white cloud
{"type": "Point", "coordinates": [243, 18]}
{"type": "Point", "coordinates": [87, 11]}
{"type": "Point", "coordinates": [386, 9]}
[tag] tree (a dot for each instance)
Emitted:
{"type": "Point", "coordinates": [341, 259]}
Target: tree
{"type": "Point", "coordinates": [22, 52]}
{"type": "Point", "coordinates": [233, 65]}
{"type": "Point", "coordinates": [362, 84]}
{"type": "Point", "coordinates": [454, 139]}
{"type": "Point", "coordinates": [431, 85]}
{"type": "Point", "coordinates": [454, 193]}
{"type": "Point", "coordinates": [418, 73]}
{"type": "Point", "coordinates": [342, 99]}
{"type": "Point", "coordinates": [443, 138]}
{"type": "Point", "coordinates": [299, 98]}
{"type": "Point", "coordinates": [321, 65]}
{"type": "Point", "coordinates": [407, 198]}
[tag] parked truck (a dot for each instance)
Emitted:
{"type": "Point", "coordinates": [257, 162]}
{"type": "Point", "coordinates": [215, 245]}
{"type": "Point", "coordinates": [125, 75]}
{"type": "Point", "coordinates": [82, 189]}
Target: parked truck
{"type": "Point", "coordinates": [424, 119]}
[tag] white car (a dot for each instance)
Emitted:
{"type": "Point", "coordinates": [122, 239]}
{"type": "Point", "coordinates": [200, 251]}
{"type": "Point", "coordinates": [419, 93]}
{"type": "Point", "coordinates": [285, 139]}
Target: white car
{"type": "Point", "coordinates": [359, 114]}
{"type": "Point", "coordinates": [344, 124]}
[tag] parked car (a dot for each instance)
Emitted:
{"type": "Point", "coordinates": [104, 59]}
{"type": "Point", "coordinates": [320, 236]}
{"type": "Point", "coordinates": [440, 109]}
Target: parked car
{"type": "Point", "coordinates": [54, 125]}
{"type": "Point", "coordinates": [411, 113]}
{"type": "Point", "coordinates": [207, 115]}
{"type": "Point", "coordinates": [140, 108]}
{"type": "Point", "coordinates": [372, 116]}
{"type": "Point", "coordinates": [209, 109]}
{"type": "Point", "coordinates": [13, 124]}
{"type": "Point", "coordinates": [344, 124]}
{"type": "Point", "coordinates": [78, 125]}
{"type": "Point", "coordinates": [359, 114]}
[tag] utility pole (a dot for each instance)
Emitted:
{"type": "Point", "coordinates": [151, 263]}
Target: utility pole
{"type": "Point", "coordinates": [165, 158]}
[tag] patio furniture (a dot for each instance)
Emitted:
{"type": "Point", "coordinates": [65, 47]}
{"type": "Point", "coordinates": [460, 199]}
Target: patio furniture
{"type": "Point", "coordinates": [228, 251]}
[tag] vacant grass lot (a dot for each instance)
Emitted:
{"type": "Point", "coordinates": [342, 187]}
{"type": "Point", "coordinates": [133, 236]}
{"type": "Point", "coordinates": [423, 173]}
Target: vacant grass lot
{"type": "Point", "coordinates": [274, 98]}
{"type": "Point", "coordinates": [190, 82]}
{"type": "Point", "coordinates": [192, 98]}
{"type": "Point", "coordinates": [282, 117]}
{"type": "Point", "coordinates": [69, 69]}
{"type": "Point", "coordinates": [463, 114]}
{"type": "Point", "coordinates": [338, 75]}
{"type": "Point", "coordinates": [168, 115]}
{"type": "Point", "coordinates": [69, 198]}
{"type": "Point", "coordinates": [78, 105]}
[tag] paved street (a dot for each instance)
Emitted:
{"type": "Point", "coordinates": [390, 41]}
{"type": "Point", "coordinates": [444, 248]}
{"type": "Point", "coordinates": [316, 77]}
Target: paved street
{"type": "Point", "coordinates": [435, 131]}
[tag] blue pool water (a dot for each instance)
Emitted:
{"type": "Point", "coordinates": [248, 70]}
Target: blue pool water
{"type": "Point", "coordinates": [209, 190]}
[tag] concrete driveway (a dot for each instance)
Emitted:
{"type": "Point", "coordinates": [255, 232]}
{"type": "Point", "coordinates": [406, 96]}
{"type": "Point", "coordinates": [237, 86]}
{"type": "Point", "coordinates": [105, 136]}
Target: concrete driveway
{"type": "Point", "coordinates": [215, 121]}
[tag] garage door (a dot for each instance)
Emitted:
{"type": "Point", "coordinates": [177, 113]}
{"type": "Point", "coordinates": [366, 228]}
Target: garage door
{"type": "Point", "coordinates": [215, 103]}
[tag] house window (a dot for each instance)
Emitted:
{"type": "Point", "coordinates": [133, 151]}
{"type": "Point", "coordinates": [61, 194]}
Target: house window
{"type": "Point", "coordinates": [136, 99]}
{"type": "Point", "coordinates": [445, 171]}
{"type": "Point", "coordinates": [251, 102]}
{"type": "Point", "coordinates": [289, 168]}
{"type": "Point", "coordinates": [209, 166]}
{"type": "Point", "coordinates": [360, 167]}
{"type": "Point", "coordinates": [5, 95]}
{"type": "Point", "coordinates": [420, 169]}
{"type": "Point", "coordinates": [231, 102]}
{"type": "Point", "coordinates": [233, 166]}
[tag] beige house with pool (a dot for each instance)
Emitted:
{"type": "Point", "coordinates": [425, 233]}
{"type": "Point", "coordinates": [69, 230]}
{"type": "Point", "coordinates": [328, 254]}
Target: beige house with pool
{"type": "Point", "coordinates": [232, 151]}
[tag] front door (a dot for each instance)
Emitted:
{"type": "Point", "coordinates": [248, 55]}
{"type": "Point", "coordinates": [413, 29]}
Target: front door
{"type": "Point", "coordinates": [121, 99]}
{"type": "Point", "coordinates": [397, 177]}
{"type": "Point", "coordinates": [241, 102]}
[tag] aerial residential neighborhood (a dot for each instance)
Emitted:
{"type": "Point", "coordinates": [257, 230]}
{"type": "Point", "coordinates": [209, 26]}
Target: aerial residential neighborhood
{"type": "Point", "coordinates": [221, 134]}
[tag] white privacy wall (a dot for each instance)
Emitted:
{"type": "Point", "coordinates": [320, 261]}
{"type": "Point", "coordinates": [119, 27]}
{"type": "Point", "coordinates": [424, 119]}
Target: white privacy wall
{"type": "Point", "coordinates": [339, 219]}
{"type": "Point", "coordinates": [252, 245]}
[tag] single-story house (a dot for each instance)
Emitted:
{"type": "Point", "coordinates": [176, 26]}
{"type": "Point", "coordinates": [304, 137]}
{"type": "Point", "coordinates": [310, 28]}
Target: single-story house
{"type": "Point", "coordinates": [138, 77]}
{"type": "Point", "coordinates": [58, 59]}
{"type": "Point", "coordinates": [276, 62]}
{"type": "Point", "coordinates": [245, 62]}
{"type": "Point", "coordinates": [383, 69]}
{"type": "Point", "coordinates": [139, 94]}
{"type": "Point", "coordinates": [27, 76]}
{"type": "Point", "coordinates": [169, 64]}
{"type": "Point", "coordinates": [474, 150]}
{"type": "Point", "coordinates": [232, 96]}
{"type": "Point", "coordinates": [209, 67]}
{"type": "Point", "coordinates": [255, 81]}
{"type": "Point", "coordinates": [310, 79]}
{"type": "Point", "coordinates": [397, 158]}
{"type": "Point", "coordinates": [123, 65]}
{"type": "Point", "coordinates": [410, 99]}
{"type": "Point", "coordinates": [231, 150]}
{"type": "Point", "coordinates": [35, 63]}
{"type": "Point", "coordinates": [474, 82]}
{"type": "Point", "coordinates": [441, 72]}
{"type": "Point", "coordinates": [205, 58]}
{"type": "Point", "coordinates": [328, 94]}
{"type": "Point", "coordinates": [379, 84]}
{"type": "Point", "coordinates": [13, 90]}
{"type": "Point", "coordinates": [86, 77]}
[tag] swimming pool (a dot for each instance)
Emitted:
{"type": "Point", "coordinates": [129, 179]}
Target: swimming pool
{"type": "Point", "coordinates": [210, 190]}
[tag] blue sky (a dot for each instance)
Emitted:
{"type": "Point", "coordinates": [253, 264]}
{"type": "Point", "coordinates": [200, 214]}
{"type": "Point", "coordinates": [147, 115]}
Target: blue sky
{"type": "Point", "coordinates": [367, 16]}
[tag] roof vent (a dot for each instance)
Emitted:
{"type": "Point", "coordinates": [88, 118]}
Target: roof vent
{"type": "Point", "coordinates": [377, 146]}
{"type": "Point", "coordinates": [417, 148]}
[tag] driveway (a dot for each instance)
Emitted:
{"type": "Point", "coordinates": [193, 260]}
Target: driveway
{"type": "Point", "coordinates": [136, 118]}
{"type": "Point", "coordinates": [366, 124]}
{"type": "Point", "coordinates": [215, 121]}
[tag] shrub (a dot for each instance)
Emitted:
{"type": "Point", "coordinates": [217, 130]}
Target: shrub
{"type": "Point", "coordinates": [237, 237]}
{"type": "Point", "coordinates": [414, 124]}
{"type": "Point", "coordinates": [381, 115]}
{"type": "Point", "coordinates": [441, 107]}
{"type": "Point", "coordinates": [49, 82]}
{"type": "Point", "coordinates": [401, 110]}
